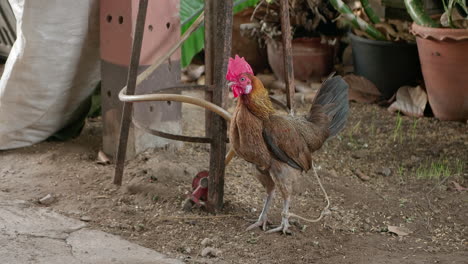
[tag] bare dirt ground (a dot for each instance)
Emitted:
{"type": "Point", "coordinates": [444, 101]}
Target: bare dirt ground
{"type": "Point", "coordinates": [411, 167]}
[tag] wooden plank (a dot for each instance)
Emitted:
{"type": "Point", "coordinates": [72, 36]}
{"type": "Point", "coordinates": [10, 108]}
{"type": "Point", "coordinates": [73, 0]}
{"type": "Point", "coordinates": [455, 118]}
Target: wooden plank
{"type": "Point", "coordinates": [287, 53]}
{"type": "Point", "coordinates": [219, 17]}
{"type": "Point", "coordinates": [209, 44]}
{"type": "Point", "coordinates": [131, 86]}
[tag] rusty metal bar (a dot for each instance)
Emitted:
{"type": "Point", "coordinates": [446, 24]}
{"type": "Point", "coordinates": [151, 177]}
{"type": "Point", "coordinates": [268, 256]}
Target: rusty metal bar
{"type": "Point", "coordinates": [287, 54]}
{"type": "Point", "coordinates": [131, 87]}
{"type": "Point", "coordinates": [169, 135]}
{"type": "Point", "coordinates": [183, 88]}
{"type": "Point", "coordinates": [220, 21]}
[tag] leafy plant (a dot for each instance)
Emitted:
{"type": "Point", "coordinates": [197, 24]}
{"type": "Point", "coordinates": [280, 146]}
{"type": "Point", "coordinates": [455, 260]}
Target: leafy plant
{"type": "Point", "coordinates": [357, 22]}
{"type": "Point", "coordinates": [366, 22]}
{"type": "Point", "coordinates": [189, 11]}
{"type": "Point", "coordinates": [413, 128]}
{"type": "Point", "coordinates": [308, 18]}
{"type": "Point", "coordinates": [416, 10]}
{"type": "Point", "coordinates": [454, 9]}
{"type": "Point", "coordinates": [352, 132]}
{"type": "Point", "coordinates": [439, 169]}
{"type": "Point", "coordinates": [397, 129]}
{"type": "Point", "coordinates": [455, 15]}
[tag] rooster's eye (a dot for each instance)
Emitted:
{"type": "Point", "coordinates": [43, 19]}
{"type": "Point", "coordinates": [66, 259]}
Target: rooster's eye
{"type": "Point", "coordinates": [242, 79]}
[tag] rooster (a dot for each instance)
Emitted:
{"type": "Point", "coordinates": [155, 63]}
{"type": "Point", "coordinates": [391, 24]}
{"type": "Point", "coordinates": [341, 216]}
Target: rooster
{"type": "Point", "coordinates": [280, 146]}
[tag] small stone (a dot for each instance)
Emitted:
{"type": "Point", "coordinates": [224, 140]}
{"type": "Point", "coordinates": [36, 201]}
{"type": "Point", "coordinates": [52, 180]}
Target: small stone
{"type": "Point", "coordinates": [385, 171]}
{"type": "Point", "coordinates": [361, 175]}
{"type": "Point", "coordinates": [187, 250]}
{"type": "Point", "coordinates": [333, 173]}
{"type": "Point", "coordinates": [210, 252]}
{"type": "Point", "coordinates": [85, 218]}
{"type": "Point", "coordinates": [357, 155]}
{"type": "Point", "coordinates": [207, 242]}
{"type": "Point", "coordinates": [47, 200]}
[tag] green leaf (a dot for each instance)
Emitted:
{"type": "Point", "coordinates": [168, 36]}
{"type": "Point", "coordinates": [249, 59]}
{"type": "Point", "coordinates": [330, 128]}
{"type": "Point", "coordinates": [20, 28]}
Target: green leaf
{"type": "Point", "coordinates": [189, 11]}
{"type": "Point", "coordinates": [416, 10]}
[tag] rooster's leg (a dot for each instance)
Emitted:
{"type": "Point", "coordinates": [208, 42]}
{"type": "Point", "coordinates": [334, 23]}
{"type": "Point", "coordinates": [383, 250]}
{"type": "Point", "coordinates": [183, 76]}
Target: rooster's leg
{"type": "Point", "coordinates": [283, 175]}
{"type": "Point", "coordinates": [284, 227]}
{"type": "Point", "coordinates": [263, 219]}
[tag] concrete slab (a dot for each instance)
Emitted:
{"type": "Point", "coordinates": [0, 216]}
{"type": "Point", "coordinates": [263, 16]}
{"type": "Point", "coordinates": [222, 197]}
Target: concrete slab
{"type": "Point", "coordinates": [93, 246]}
{"type": "Point", "coordinates": [31, 234]}
{"type": "Point", "coordinates": [37, 250]}
{"type": "Point", "coordinates": [20, 217]}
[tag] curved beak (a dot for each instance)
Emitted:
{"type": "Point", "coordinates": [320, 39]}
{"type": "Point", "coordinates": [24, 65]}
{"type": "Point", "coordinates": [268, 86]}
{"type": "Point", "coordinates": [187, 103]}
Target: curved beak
{"type": "Point", "coordinates": [229, 84]}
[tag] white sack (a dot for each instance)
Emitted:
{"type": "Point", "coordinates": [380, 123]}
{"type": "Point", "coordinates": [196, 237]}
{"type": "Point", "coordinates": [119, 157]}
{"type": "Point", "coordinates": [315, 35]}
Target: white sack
{"type": "Point", "coordinates": [53, 66]}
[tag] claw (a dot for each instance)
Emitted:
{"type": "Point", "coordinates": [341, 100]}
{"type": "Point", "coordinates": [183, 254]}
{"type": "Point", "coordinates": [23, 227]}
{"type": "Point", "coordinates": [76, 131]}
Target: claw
{"type": "Point", "coordinates": [284, 227]}
{"type": "Point", "coordinates": [263, 219]}
{"type": "Point", "coordinates": [259, 223]}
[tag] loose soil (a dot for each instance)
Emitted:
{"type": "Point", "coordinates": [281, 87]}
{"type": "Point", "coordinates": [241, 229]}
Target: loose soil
{"type": "Point", "coordinates": [411, 166]}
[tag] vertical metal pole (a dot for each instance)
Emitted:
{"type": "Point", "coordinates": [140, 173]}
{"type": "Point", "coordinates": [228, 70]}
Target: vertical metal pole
{"type": "Point", "coordinates": [219, 16]}
{"type": "Point", "coordinates": [131, 86]}
{"type": "Point", "coordinates": [287, 54]}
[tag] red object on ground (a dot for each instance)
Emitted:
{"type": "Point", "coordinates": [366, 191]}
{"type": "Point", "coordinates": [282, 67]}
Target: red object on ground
{"type": "Point", "coordinates": [200, 188]}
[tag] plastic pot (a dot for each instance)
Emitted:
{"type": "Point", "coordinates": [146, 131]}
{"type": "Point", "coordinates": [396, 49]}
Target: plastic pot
{"type": "Point", "coordinates": [444, 61]}
{"type": "Point", "coordinates": [311, 58]}
{"type": "Point", "coordinates": [389, 65]}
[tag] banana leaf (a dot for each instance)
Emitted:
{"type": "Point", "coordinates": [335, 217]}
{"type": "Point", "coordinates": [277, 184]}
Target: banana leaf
{"type": "Point", "coordinates": [189, 11]}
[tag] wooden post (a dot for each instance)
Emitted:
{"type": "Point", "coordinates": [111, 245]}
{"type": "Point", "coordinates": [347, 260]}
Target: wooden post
{"type": "Point", "coordinates": [218, 24]}
{"type": "Point", "coordinates": [131, 85]}
{"type": "Point", "coordinates": [209, 44]}
{"type": "Point", "coordinates": [287, 54]}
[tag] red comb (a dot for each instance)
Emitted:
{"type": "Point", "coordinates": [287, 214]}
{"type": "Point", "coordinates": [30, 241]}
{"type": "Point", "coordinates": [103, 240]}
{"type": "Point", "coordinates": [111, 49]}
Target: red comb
{"type": "Point", "coordinates": [236, 67]}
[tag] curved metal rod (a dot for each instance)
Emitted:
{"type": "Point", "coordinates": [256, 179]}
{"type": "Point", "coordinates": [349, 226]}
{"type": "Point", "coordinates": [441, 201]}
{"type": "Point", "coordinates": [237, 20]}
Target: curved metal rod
{"type": "Point", "coordinates": [170, 136]}
{"type": "Point", "coordinates": [183, 99]}
{"type": "Point", "coordinates": [176, 98]}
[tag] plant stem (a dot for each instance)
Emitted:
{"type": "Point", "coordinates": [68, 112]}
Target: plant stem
{"type": "Point", "coordinates": [374, 18]}
{"type": "Point", "coordinates": [416, 10]}
{"type": "Point", "coordinates": [357, 22]}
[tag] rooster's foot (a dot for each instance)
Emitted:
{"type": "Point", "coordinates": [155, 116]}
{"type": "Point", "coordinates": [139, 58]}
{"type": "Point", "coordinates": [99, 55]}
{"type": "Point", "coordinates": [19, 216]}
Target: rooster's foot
{"type": "Point", "coordinates": [284, 227]}
{"type": "Point", "coordinates": [260, 223]}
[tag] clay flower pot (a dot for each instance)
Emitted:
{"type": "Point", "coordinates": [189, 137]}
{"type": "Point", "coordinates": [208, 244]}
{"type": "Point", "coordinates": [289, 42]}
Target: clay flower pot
{"type": "Point", "coordinates": [444, 60]}
{"type": "Point", "coordinates": [311, 58]}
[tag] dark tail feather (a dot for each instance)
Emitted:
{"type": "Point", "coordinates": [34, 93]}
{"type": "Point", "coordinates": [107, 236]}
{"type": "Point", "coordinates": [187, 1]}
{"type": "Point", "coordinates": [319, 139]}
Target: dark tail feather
{"type": "Point", "coordinates": [332, 99]}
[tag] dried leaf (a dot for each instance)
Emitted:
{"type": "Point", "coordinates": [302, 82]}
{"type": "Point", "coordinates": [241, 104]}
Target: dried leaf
{"type": "Point", "coordinates": [400, 231]}
{"type": "Point", "coordinates": [458, 187]}
{"type": "Point", "coordinates": [102, 158]}
{"type": "Point", "coordinates": [386, 29]}
{"type": "Point", "coordinates": [361, 89]}
{"type": "Point", "coordinates": [411, 101]}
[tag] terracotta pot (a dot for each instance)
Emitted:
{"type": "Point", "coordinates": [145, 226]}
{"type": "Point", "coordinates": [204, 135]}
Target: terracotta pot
{"type": "Point", "coordinates": [444, 60]}
{"type": "Point", "coordinates": [246, 46]}
{"type": "Point", "coordinates": [311, 58]}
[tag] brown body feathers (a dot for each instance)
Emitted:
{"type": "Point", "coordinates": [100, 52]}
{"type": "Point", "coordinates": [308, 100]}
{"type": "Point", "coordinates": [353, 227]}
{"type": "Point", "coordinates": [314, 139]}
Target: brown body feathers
{"type": "Point", "coordinates": [259, 135]}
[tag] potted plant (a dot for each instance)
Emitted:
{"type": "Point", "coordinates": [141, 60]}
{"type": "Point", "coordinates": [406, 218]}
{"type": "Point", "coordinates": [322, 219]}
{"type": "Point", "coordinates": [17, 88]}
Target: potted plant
{"type": "Point", "coordinates": [443, 51]}
{"type": "Point", "coordinates": [384, 51]}
{"type": "Point", "coordinates": [314, 41]}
